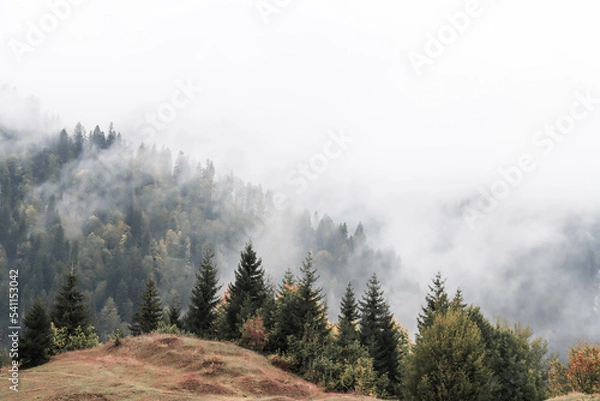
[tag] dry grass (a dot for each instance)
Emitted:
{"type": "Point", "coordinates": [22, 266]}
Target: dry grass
{"type": "Point", "coordinates": [163, 367]}
{"type": "Point", "coordinates": [577, 397]}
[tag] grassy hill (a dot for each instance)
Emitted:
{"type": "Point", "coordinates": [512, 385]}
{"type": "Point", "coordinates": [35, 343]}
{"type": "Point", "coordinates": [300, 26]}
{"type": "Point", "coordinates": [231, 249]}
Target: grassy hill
{"type": "Point", "coordinates": [164, 367]}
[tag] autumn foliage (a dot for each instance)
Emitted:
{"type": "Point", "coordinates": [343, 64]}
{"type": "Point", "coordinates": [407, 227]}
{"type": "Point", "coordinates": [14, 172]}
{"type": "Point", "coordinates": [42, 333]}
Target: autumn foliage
{"type": "Point", "coordinates": [254, 335]}
{"type": "Point", "coordinates": [581, 374]}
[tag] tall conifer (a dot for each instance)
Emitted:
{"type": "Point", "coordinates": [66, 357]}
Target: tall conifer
{"type": "Point", "coordinates": [202, 312]}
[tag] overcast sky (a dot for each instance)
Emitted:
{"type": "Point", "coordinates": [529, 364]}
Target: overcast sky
{"type": "Point", "coordinates": [401, 111]}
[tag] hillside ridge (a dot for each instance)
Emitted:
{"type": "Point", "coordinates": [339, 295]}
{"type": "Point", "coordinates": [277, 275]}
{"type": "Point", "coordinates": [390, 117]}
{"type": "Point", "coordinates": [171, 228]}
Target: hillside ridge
{"type": "Point", "coordinates": [164, 367]}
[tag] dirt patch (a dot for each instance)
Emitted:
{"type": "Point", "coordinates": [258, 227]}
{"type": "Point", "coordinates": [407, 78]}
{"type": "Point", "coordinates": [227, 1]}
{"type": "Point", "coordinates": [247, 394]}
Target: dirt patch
{"type": "Point", "coordinates": [80, 397]}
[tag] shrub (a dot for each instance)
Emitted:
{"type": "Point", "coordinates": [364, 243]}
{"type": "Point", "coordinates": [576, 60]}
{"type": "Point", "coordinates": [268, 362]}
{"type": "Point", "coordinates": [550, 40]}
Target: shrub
{"type": "Point", "coordinates": [117, 335]}
{"type": "Point", "coordinates": [254, 335]}
{"type": "Point", "coordinates": [164, 328]}
{"type": "Point", "coordinates": [80, 339]}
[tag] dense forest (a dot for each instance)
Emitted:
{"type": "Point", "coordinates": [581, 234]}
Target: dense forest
{"type": "Point", "coordinates": [87, 201]}
{"type": "Point", "coordinates": [111, 241]}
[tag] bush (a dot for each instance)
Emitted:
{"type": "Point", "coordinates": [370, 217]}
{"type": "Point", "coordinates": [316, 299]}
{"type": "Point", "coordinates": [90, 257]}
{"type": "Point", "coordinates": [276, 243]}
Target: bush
{"type": "Point", "coordinates": [336, 368]}
{"type": "Point", "coordinates": [360, 377]}
{"type": "Point", "coordinates": [117, 335]}
{"type": "Point", "coordinates": [254, 335]}
{"type": "Point", "coordinates": [164, 328]}
{"type": "Point", "coordinates": [80, 339]}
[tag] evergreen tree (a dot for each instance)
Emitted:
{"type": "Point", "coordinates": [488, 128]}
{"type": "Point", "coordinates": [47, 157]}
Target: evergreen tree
{"type": "Point", "coordinates": [449, 362]}
{"type": "Point", "coordinates": [310, 308]}
{"type": "Point", "coordinates": [149, 314]}
{"type": "Point", "coordinates": [458, 301]}
{"type": "Point", "coordinates": [371, 313]}
{"type": "Point", "coordinates": [381, 336]}
{"type": "Point", "coordinates": [78, 140]}
{"type": "Point", "coordinates": [285, 321]}
{"type": "Point", "coordinates": [36, 340]}
{"type": "Point", "coordinates": [109, 320]}
{"type": "Point", "coordinates": [175, 312]}
{"type": "Point", "coordinates": [519, 365]}
{"type": "Point", "coordinates": [201, 315]}
{"type": "Point", "coordinates": [246, 294]}
{"type": "Point", "coordinates": [348, 318]}
{"type": "Point", "coordinates": [436, 302]}
{"type": "Point", "coordinates": [69, 310]}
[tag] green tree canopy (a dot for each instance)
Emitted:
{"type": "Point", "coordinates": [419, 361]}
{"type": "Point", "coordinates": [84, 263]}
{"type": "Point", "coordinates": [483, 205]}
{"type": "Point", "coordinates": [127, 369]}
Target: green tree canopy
{"type": "Point", "coordinates": [36, 340]}
{"type": "Point", "coordinates": [449, 362]}
{"type": "Point", "coordinates": [149, 311]}
{"type": "Point", "coordinates": [246, 295]}
{"type": "Point", "coordinates": [201, 315]}
{"type": "Point", "coordinates": [69, 310]}
{"type": "Point", "coordinates": [348, 318]}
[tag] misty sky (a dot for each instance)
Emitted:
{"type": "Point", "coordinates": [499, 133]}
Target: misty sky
{"type": "Point", "coordinates": [281, 78]}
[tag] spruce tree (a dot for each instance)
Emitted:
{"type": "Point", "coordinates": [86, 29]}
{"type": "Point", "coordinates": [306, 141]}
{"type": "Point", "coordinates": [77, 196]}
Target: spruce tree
{"type": "Point", "coordinates": [371, 313]}
{"type": "Point", "coordinates": [175, 312]}
{"type": "Point", "coordinates": [310, 308]}
{"type": "Point", "coordinates": [285, 321]}
{"type": "Point", "coordinates": [69, 310]}
{"type": "Point", "coordinates": [458, 302]}
{"type": "Point", "coordinates": [381, 336]}
{"type": "Point", "coordinates": [436, 302]}
{"type": "Point", "coordinates": [348, 318]}
{"type": "Point", "coordinates": [246, 295]}
{"type": "Point", "coordinates": [149, 311]}
{"type": "Point", "coordinates": [36, 340]}
{"type": "Point", "coordinates": [201, 315]}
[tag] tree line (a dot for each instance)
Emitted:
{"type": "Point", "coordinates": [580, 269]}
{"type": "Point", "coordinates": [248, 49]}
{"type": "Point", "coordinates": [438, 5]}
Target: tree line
{"type": "Point", "coordinates": [458, 353]}
{"type": "Point", "coordinates": [132, 230]}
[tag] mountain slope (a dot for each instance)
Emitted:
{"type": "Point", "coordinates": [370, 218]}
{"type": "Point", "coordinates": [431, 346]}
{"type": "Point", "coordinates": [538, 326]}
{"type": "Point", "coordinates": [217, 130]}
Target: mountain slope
{"type": "Point", "coordinates": [164, 367]}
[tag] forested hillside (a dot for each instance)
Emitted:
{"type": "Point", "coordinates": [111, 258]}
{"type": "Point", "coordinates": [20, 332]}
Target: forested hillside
{"type": "Point", "coordinates": [87, 201]}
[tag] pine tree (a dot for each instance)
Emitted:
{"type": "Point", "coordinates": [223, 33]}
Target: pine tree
{"type": "Point", "coordinates": [310, 308]}
{"type": "Point", "coordinates": [371, 313]}
{"type": "Point", "coordinates": [202, 313]}
{"type": "Point", "coordinates": [175, 312]}
{"type": "Point", "coordinates": [436, 302]}
{"type": "Point", "coordinates": [149, 314]}
{"type": "Point", "coordinates": [348, 318]}
{"type": "Point", "coordinates": [380, 334]}
{"type": "Point", "coordinates": [246, 295]}
{"type": "Point", "coordinates": [458, 302]}
{"type": "Point", "coordinates": [285, 322]}
{"type": "Point", "coordinates": [36, 340]}
{"type": "Point", "coordinates": [69, 310]}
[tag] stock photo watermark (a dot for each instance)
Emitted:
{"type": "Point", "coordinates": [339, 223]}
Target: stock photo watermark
{"type": "Point", "coordinates": [267, 9]}
{"type": "Point", "coordinates": [38, 29]}
{"type": "Point", "coordinates": [300, 177]}
{"type": "Point", "coordinates": [185, 92]}
{"type": "Point", "coordinates": [13, 329]}
{"type": "Point", "coordinates": [545, 139]}
{"type": "Point", "coordinates": [436, 44]}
